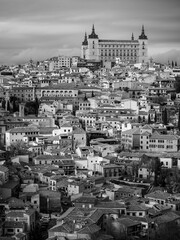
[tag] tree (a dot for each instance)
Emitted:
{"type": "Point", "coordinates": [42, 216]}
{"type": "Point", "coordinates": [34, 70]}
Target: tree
{"type": "Point", "coordinates": [139, 119]}
{"type": "Point", "coordinates": [3, 103]}
{"type": "Point", "coordinates": [14, 105]}
{"type": "Point", "coordinates": [18, 148]}
{"type": "Point", "coordinates": [36, 106]}
{"type": "Point", "coordinates": [166, 231]}
{"type": "Point", "coordinates": [119, 149]}
{"type": "Point", "coordinates": [85, 97]}
{"type": "Point", "coordinates": [153, 165]}
{"type": "Point", "coordinates": [116, 229]}
{"type": "Point", "coordinates": [157, 171]}
{"type": "Point", "coordinates": [8, 106]}
{"type": "Point", "coordinates": [126, 89]}
{"type": "Point", "coordinates": [165, 118]}
{"type": "Point", "coordinates": [159, 100]}
{"type": "Point", "coordinates": [172, 64]}
{"type": "Point", "coordinates": [92, 94]}
{"type": "Point", "coordinates": [179, 120]}
{"type": "Point", "coordinates": [81, 78]}
{"type": "Point", "coordinates": [177, 84]}
{"type": "Point", "coordinates": [155, 117]}
{"type": "Point", "coordinates": [149, 119]}
{"type": "Point", "coordinates": [175, 64]}
{"type": "Point", "coordinates": [173, 96]}
{"type": "Point", "coordinates": [30, 108]}
{"type": "Point", "coordinates": [135, 167]}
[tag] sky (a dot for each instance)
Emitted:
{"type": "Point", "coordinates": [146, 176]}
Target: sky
{"type": "Point", "coordinates": [40, 29]}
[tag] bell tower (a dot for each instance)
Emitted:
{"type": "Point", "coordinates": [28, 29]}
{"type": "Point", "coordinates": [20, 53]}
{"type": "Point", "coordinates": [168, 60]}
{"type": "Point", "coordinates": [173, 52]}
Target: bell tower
{"type": "Point", "coordinates": [143, 47]}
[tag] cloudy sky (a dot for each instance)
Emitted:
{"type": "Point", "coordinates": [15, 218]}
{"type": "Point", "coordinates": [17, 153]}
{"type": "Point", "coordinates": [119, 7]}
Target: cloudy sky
{"type": "Point", "coordinates": [39, 29]}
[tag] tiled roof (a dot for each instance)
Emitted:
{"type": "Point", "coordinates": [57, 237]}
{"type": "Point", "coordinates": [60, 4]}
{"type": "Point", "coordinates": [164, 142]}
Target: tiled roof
{"type": "Point", "coordinates": [147, 127]}
{"type": "Point", "coordinates": [156, 135]}
{"type": "Point", "coordinates": [110, 205]}
{"type": "Point", "coordinates": [61, 86]}
{"type": "Point", "coordinates": [23, 130]}
{"type": "Point", "coordinates": [150, 154]}
{"type": "Point", "coordinates": [53, 138]}
{"type": "Point", "coordinates": [52, 157]}
{"type": "Point", "coordinates": [167, 217]}
{"type": "Point", "coordinates": [48, 174]}
{"type": "Point", "coordinates": [85, 199]}
{"type": "Point", "coordinates": [13, 224]}
{"type": "Point", "coordinates": [93, 228]}
{"type": "Point", "coordinates": [158, 195]}
{"type": "Point", "coordinates": [131, 131]}
{"type": "Point", "coordinates": [127, 222]}
{"type": "Point", "coordinates": [145, 133]}
{"type": "Point", "coordinates": [136, 207]}
{"type": "Point", "coordinates": [66, 125]}
{"type": "Point", "coordinates": [114, 41]}
{"type": "Point", "coordinates": [15, 214]}
{"type": "Point", "coordinates": [78, 131]}
{"type": "Point", "coordinates": [10, 184]}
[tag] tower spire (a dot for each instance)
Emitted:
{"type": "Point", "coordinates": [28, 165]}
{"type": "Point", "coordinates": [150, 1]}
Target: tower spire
{"type": "Point", "coordinates": [132, 38]}
{"type": "Point", "coordinates": [93, 30]}
{"type": "Point", "coordinates": [143, 29]}
{"type": "Point", "coordinates": [85, 42]}
{"type": "Point", "coordinates": [93, 34]}
{"type": "Point", "coordinates": [143, 36]}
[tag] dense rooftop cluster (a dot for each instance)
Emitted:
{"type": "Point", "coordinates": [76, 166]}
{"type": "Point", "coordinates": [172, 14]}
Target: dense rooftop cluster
{"type": "Point", "coordinates": [88, 152]}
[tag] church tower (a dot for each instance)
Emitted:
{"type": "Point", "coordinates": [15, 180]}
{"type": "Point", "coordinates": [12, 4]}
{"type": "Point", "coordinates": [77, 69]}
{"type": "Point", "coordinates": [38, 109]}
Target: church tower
{"type": "Point", "coordinates": [84, 47]}
{"type": "Point", "coordinates": [93, 45]}
{"type": "Point", "coordinates": [143, 47]}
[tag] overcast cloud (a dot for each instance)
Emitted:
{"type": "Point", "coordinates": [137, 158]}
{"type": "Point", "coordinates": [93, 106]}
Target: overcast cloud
{"type": "Point", "coordinates": [39, 29]}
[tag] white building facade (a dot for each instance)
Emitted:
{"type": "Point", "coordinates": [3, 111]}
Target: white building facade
{"type": "Point", "coordinates": [134, 51]}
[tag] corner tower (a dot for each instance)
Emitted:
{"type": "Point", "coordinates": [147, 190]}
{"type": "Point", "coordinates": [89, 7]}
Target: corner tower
{"type": "Point", "coordinates": [143, 47]}
{"type": "Point", "coordinates": [93, 45]}
{"type": "Point", "coordinates": [84, 47]}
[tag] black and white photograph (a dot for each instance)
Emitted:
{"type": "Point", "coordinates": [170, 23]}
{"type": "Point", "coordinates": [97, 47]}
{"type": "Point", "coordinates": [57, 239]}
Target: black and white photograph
{"type": "Point", "coordinates": [89, 120]}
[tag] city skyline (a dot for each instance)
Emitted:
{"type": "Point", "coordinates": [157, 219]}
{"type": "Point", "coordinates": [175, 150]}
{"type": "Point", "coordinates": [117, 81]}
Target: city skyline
{"type": "Point", "coordinates": [42, 29]}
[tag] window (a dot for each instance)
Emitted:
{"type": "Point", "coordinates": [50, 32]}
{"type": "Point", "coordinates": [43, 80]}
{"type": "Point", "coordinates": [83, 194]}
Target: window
{"type": "Point", "coordinates": [122, 211]}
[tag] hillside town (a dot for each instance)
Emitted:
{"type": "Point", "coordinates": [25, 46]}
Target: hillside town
{"type": "Point", "coordinates": [89, 150]}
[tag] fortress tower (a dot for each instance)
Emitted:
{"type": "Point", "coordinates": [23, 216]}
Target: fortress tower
{"type": "Point", "coordinates": [143, 47]}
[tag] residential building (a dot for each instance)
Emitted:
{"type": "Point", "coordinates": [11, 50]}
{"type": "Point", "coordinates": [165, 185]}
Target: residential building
{"type": "Point", "coordinates": [17, 134]}
{"type": "Point", "coordinates": [164, 142]}
{"type": "Point", "coordinates": [131, 138]}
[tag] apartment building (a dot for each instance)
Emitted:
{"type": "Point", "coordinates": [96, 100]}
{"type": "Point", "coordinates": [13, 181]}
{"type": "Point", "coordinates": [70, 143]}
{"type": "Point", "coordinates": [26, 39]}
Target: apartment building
{"type": "Point", "coordinates": [25, 134]}
{"type": "Point", "coordinates": [165, 143]}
